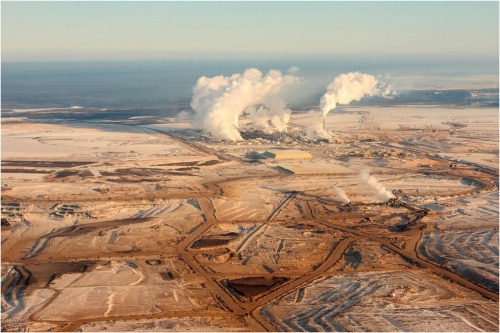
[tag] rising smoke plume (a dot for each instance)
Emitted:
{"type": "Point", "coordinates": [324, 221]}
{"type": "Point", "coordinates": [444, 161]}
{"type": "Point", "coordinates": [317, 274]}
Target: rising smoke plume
{"type": "Point", "coordinates": [219, 101]}
{"type": "Point", "coordinates": [380, 192]}
{"type": "Point", "coordinates": [344, 89]}
{"type": "Point", "coordinates": [272, 117]}
{"type": "Point", "coordinates": [341, 195]}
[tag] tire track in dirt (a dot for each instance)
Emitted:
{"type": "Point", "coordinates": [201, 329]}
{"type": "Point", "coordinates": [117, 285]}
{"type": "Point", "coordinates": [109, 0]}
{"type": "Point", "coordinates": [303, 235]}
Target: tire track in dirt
{"type": "Point", "coordinates": [413, 256]}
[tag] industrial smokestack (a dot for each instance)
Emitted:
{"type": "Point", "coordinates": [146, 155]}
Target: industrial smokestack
{"type": "Point", "coordinates": [346, 88]}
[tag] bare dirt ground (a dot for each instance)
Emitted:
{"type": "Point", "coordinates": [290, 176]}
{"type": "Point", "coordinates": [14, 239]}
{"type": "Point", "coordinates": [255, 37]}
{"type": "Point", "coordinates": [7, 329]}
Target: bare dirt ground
{"type": "Point", "coordinates": [158, 227]}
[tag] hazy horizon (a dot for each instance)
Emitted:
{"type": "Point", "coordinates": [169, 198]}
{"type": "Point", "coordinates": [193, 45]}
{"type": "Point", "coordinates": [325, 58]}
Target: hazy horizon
{"type": "Point", "coordinates": [80, 31]}
{"type": "Point", "coordinates": [152, 53]}
{"type": "Point", "coordinates": [162, 83]}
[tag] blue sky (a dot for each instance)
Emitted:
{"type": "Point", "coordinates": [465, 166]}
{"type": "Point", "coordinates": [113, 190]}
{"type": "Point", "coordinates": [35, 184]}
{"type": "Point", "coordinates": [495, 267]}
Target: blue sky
{"type": "Point", "coordinates": [39, 31]}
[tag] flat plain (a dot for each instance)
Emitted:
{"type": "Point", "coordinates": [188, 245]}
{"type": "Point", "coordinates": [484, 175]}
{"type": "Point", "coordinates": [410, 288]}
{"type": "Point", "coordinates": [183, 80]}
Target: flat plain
{"type": "Point", "coordinates": [149, 224]}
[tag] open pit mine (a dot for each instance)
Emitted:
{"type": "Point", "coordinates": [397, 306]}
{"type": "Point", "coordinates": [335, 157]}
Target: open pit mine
{"type": "Point", "coordinates": [388, 223]}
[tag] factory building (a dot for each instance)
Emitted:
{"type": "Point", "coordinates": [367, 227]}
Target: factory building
{"type": "Point", "coordinates": [287, 154]}
{"type": "Point", "coordinates": [315, 169]}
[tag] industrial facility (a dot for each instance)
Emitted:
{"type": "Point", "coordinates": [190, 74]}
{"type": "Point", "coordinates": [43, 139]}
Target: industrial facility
{"type": "Point", "coordinates": [287, 154]}
{"type": "Point", "coordinates": [314, 169]}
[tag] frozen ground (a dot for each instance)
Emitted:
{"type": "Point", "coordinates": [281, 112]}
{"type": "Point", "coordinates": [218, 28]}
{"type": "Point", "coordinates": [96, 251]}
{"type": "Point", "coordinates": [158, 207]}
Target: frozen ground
{"type": "Point", "coordinates": [158, 227]}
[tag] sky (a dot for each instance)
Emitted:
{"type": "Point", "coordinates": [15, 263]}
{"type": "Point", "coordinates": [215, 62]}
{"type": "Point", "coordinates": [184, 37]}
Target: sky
{"type": "Point", "coordinates": [55, 31]}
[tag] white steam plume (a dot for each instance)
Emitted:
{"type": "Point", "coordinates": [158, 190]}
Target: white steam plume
{"type": "Point", "coordinates": [219, 101]}
{"type": "Point", "coordinates": [380, 192]}
{"type": "Point", "coordinates": [274, 116]}
{"type": "Point", "coordinates": [340, 194]}
{"type": "Point", "coordinates": [346, 88]}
